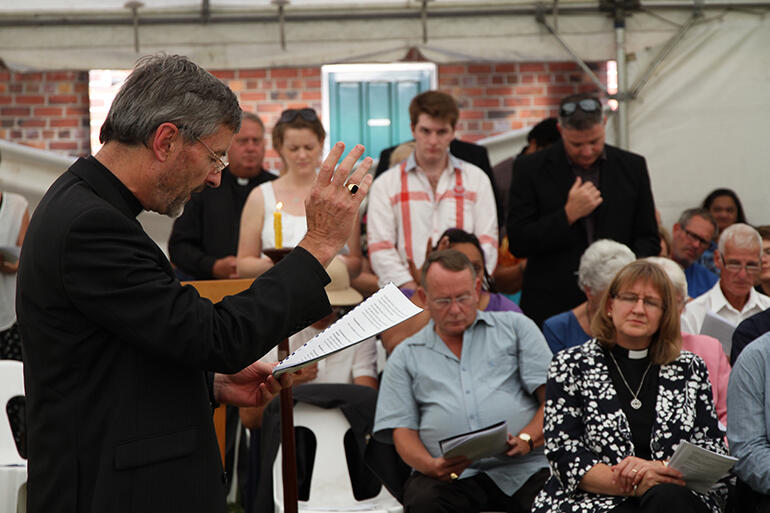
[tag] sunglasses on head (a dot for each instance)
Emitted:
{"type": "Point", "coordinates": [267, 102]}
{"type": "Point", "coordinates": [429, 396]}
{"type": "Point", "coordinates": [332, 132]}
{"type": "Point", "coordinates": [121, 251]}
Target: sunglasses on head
{"type": "Point", "coordinates": [290, 115]}
{"type": "Point", "coordinates": [586, 105]}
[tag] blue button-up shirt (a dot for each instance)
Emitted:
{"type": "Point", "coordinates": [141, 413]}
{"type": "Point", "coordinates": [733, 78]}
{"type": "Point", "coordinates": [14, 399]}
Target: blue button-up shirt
{"type": "Point", "coordinates": [426, 388]}
{"type": "Point", "coordinates": [748, 413]}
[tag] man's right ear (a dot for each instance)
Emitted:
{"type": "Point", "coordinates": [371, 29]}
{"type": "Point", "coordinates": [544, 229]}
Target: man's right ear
{"type": "Point", "coordinates": [422, 295]}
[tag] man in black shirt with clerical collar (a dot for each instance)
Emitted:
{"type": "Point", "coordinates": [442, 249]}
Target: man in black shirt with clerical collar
{"type": "Point", "coordinates": [204, 239]}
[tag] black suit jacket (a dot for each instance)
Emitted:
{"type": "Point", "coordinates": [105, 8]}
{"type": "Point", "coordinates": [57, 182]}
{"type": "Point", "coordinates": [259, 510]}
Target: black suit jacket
{"type": "Point", "coordinates": [209, 227]}
{"type": "Point", "coordinates": [115, 354]}
{"type": "Point", "coordinates": [538, 229]}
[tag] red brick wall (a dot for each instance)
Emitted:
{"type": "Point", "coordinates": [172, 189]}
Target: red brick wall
{"type": "Point", "coordinates": [50, 109]}
{"type": "Point", "coordinates": [47, 110]}
{"type": "Point", "coordinates": [498, 97]}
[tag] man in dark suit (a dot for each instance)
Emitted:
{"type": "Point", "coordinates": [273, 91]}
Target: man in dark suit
{"type": "Point", "coordinates": [204, 239]}
{"type": "Point", "coordinates": [121, 363]}
{"type": "Point", "coordinates": [567, 196]}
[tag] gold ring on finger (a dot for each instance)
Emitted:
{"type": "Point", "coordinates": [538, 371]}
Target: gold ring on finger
{"type": "Point", "coordinates": [453, 476]}
{"type": "Point", "coordinates": [353, 188]}
{"type": "Point", "coordinates": [634, 470]}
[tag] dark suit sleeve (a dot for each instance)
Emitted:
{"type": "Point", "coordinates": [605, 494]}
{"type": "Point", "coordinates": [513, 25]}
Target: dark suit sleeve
{"type": "Point", "coordinates": [534, 227]}
{"type": "Point", "coordinates": [384, 163]}
{"type": "Point", "coordinates": [747, 331]}
{"type": "Point", "coordinates": [185, 245]}
{"type": "Point", "coordinates": [645, 239]}
{"type": "Point", "coordinates": [112, 274]}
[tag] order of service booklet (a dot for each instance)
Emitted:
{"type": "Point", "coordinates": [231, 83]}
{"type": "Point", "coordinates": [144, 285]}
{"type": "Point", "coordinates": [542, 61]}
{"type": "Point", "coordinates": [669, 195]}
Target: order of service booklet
{"type": "Point", "coordinates": [382, 310]}
{"type": "Point", "coordinates": [700, 467]}
{"type": "Point", "coordinates": [481, 443]}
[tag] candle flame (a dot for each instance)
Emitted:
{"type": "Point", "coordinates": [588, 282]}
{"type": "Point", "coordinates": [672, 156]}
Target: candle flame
{"type": "Point", "coordinates": [279, 205]}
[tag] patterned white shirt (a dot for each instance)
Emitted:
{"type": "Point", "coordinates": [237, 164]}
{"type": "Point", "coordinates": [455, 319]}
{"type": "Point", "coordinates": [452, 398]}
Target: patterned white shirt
{"type": "Point", "coordinates": [404, 213]}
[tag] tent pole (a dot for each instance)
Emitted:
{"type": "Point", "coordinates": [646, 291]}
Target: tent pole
{"type": "Point", "coordinates": [622, 97]}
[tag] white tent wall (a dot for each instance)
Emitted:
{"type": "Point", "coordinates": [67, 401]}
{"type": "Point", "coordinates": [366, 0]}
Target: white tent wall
{"type": "Point", "coordinates": [702, 120]}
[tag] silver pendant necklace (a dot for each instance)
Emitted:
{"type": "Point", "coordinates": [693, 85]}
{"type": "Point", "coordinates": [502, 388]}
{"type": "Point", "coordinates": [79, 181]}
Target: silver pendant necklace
{"type": "Point", "coordinates": [635, 402]}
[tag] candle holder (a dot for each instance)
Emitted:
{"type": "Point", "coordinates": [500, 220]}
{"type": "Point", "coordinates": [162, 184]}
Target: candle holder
{"type": "Point", "coordinates": [276, 254]}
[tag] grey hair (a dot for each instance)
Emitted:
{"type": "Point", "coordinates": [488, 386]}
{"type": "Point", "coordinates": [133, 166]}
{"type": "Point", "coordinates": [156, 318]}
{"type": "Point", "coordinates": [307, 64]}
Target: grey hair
{"type": "Point", "coordinates": [169, 89]}
{"type": "Point", "coordinates": [696, 212]}
{"type": "Point", "coordinates": [742, 236]}
{"type": "Point", "coordinates": [600, 262]}
{"type": "Point", "coordinates": [674, 272]}
{"type": "Point", "coordinates": [253, 117]}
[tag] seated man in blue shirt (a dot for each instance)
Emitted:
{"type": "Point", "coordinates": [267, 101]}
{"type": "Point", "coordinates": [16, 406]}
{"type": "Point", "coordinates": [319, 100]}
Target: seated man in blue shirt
{"type": "Point", "coordinates": [691, 236]}
{"type": "Point", "coordinates": [748, 403]}
{"type": "Point", "coordinates": [464, 371]}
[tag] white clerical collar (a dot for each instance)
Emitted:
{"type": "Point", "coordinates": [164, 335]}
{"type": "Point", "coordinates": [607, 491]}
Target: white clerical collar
{"type": "Point", "coordinates": [637, 355]}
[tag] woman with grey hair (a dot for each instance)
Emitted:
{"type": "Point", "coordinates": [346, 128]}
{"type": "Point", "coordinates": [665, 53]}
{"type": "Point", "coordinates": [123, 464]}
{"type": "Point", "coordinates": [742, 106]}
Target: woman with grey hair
{"type": "Point", "coordinates": [708, 348]}
{"type": "Point", "coordinates": [598, 266]}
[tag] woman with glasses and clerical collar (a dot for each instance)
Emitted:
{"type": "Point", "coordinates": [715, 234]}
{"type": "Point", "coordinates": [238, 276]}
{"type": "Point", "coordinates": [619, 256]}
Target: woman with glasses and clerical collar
{"type": "Point", "coordinates": [619, 405]}
{"type": "Point", "coordinates": [298, 137]}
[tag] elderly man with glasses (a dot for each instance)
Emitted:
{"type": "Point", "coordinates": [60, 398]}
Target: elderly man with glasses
{"type": "Point", "coordinates": [733, 298]}
{"type": "Point", "coordinates": [465, 371]}
{"type": "Point", "coordinates": [567, 196]}
{"type": "Point", "coordinates": [692, 235]}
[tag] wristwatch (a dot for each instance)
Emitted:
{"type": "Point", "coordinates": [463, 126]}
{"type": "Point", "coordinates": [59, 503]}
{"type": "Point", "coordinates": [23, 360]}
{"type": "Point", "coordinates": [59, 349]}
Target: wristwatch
{"type": "Point", "coordinates": [528, 439]}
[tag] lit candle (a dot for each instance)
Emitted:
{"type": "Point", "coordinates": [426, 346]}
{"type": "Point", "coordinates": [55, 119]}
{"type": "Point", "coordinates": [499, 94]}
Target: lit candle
{"type": "Point", "coordinates": [277, 227]}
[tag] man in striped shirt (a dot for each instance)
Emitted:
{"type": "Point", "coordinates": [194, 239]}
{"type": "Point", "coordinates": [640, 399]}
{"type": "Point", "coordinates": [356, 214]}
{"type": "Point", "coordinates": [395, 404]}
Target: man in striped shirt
{"type": "Point", "coordinates": [413, 202]}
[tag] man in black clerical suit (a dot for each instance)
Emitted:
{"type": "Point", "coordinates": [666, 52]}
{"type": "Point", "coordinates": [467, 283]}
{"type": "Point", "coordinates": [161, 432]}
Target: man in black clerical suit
{"type": "Point", "coordinates": [122, 363]}
{"type": "Point", "coordinates": [204, 239]}
{"type": "Point", "coordinates": [569, 195]}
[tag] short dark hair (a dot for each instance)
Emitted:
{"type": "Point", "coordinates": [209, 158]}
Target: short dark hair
{"type": "Point", "coordinates": [449, 259]}
{"type": "Point", "coordinates": [580, 120]}
{"type": "Point", "coordinates": [435, 104]}
{"type": "Point", "coordinates": [545, 133]}
{"type": "Point", "coordinates": [169, 89]}
{"type": "Point", "coordinates": [279, 130]}
{"type": "Point", "coordinates": [460, 236]}
{"type": "Point", "coordinates": [697, 212]}
{"type": "Point", "coordinates": [764, 231]}
{"type": "Point", "coordinates": [716, 193]}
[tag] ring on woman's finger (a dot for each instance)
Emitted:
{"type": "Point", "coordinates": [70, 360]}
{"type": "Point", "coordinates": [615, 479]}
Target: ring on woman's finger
{"type": "Point", "coordinates": [634, 470]}
{"type": "Point", "coordinates": [453, 476]}
{"type": "Point", "coordinates": [353, 188]}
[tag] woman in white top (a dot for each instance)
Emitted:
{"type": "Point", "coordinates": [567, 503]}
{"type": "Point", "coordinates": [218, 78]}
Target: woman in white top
{"type": "Point", "coordinates": [298, 137]}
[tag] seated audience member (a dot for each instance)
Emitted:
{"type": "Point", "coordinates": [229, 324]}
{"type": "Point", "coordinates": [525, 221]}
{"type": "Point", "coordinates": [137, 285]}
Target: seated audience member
{"type": "Point", "coordinates": [356, 365]}
{"type": "Point", "coordinates": [748, 331]}
{"type": "Point", "coordinates": [764, 277]}
{"type": "Point", "coordinates": [692, 235]}
{"type": "Point", "coordinates": [726, 209]}
{"type": "Point", "coordinates": [489, 300]}
{"type": "Point", "coordinates": [708, 348]}
{"type": "Point", "coordinates": [464, 371]}
{"type": "Point", "coordinates": [739, 259]}
{"type": "Point", "coordinates": [598, 266]}
{"type": "Point", "coordinates": [429, 192]}
{"type": "Point", "coordinates": [748, 401]}
{"type": "Point", "coordinates": [607, 430]}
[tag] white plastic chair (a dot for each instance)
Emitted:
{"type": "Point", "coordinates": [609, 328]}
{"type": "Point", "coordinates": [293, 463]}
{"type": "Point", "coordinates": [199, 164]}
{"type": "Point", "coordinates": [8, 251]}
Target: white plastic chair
{"type": "Point", "coordinates": [330, 488]}
{"type": "Point", "coordinates": [13, 468]}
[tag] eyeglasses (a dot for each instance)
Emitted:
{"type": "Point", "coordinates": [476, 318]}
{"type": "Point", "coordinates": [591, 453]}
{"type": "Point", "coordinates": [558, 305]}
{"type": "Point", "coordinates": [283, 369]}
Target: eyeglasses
{"type": "Point", "coordinates": [219, 162]}
{"type": "Point", "coordinates": [446, 302]}
{"type": "Point", "coordinates": [290, 115]}
{"type": "Point", "coordinates": [751, 268]}
{"type": "Point", "coordinates": [631, 299]}
{"type": "Point", "coordinates": [694, 237]}
{"type": "Point", "coordinates": [586, 105]}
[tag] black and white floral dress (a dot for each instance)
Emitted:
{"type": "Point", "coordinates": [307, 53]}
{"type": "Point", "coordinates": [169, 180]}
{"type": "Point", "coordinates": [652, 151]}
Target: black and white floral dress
{"type": "Point", "coordinates": [585, 425]}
